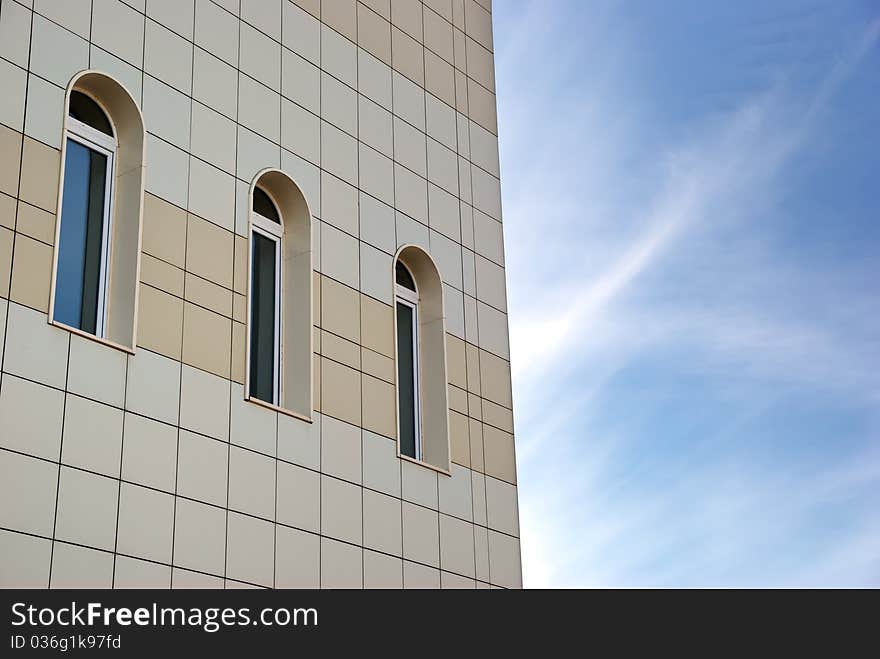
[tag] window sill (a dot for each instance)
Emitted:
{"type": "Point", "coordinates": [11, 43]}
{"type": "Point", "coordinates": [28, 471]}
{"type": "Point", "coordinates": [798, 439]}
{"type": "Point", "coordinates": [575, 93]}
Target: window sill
{"type": "Point", "coordinates": [279, 409]}
{"type": "Point", "coordinates": [427, 465]}
{"type": "Point", "coordinates": [92, 337]}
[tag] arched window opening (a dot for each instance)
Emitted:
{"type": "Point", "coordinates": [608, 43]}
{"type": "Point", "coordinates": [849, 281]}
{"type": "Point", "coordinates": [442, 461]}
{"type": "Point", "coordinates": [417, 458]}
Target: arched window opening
{"type": "Point", "coordinates": [407, 311]}
{"type": "Point", "coordinates": [97, 240]}
{"type": "Point", "coordinates": [265, 370]}
{"type": "Point", "coordinates": [86, 216]}
{"type": "Point", "coordinates": [420, 336]}
{"type": "Point", "coordinates": [279, 333]}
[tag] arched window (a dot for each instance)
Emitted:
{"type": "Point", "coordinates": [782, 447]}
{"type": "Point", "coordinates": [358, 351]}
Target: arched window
{"type": "Point", "coordinates": [279, 344]}
{"type": "Point", "coordinates": [407, 302]}
{"type": "Point", "coordinates": [420, 333]}
{"type": "Point", "coordinates": [265, 370]}
{"type": "Point", "coordinates": [86, 215]}
{"type": "Point", "coordinates": [97, 241]}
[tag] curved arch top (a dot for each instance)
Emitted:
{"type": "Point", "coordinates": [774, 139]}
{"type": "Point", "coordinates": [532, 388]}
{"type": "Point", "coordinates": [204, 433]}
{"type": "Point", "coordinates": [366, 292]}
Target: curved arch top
{"type": "Point", "coordinates": [286, 193]}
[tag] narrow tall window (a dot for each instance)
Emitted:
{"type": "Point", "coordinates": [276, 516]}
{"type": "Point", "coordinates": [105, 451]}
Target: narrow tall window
{"type": "Point", "coordinates": [407, 304]}
{"type": "Point", "coordinates": [81, 289]}
{"type": "Point", "coordinates": [265, 300]}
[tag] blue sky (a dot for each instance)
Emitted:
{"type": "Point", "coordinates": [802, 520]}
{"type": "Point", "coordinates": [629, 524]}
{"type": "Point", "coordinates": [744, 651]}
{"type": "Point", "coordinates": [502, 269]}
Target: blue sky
{"type": "Point", "coordinates": [692, 233]}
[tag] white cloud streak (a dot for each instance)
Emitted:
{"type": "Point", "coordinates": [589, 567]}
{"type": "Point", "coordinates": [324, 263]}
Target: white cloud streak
{"type": "Point", "coordinates": [586, 328]}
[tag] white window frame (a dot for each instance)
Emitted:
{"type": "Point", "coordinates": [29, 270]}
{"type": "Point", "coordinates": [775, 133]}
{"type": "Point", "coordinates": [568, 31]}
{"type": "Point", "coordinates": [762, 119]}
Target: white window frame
{"type": "Point", "coordinates": [272, 231]}
{"type": "Point", "coordinates": [410, 298]}
{"type": "Point", "coordinates": [93, 139]}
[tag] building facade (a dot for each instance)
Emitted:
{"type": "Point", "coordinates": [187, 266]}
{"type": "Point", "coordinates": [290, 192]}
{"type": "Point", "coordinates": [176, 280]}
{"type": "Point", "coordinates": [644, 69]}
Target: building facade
{"type": "Point", "coordinates": [252, 296]}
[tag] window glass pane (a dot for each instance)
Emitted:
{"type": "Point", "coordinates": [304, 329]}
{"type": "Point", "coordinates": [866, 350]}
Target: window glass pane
{"type": "Point", "coordinates": [87, 111]}
{"type": "Point", "coordinates": [406, 380]}
{"type": "Point", "coordinates": [264, 206]}
{"type": "Point", "coordinates": [82, 222]}
{"type": "Point", "coordinates": [403, 276]}
{"type": "Point", "coordinates": [262, 376]}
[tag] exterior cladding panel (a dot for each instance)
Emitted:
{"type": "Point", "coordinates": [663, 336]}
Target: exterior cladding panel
{"type": "Point", "coordinates": [150, 469]}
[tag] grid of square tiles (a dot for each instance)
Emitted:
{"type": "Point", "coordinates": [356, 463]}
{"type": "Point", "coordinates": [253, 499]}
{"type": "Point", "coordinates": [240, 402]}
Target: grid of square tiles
{"type": "Point", "coordinates": [361, 217]}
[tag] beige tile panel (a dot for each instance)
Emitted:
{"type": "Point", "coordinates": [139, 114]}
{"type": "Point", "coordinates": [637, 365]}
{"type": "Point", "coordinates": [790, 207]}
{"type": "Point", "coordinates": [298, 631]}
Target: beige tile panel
{"type": "Point", "coordinates": [10, 160]}
{"type": "Point", "coordinates": [418, 576]}
{"type": "Point", "coordinates": [339, 309]}
{"type": "Point", "coordinates": [161, 275]}
{"type": "Point", "coordinates": [134, 573]}
{"type": "Point", "coordinates": [381, 7]}
{"type": "Point", "coordinates": [28, 492]}
{"type": "Point", "coordinates": [476, 435]}
{"type": "Point", "coordinates": [472, 358]}
{"type": "Point", "coordinates": [421, 534]}
{"type": "Point", "coordinates": [478, 23]}
{"type": "Point", "coordinates": [31, 417]}
{"type": "Point", "coordinates": [239, 308]}
{"type": "Point", "coordinates": [340, 392]}
{"type": "Point", "coordinates": [481, 106]}
{"type": "Point", "coordinates": [316, 382]}
{"type": "Point", "coordinates": [160, 322]}
{"type": "Point", "coordinates": [31, 273]}
{"type": "Point", "coordinates": [459, 439]}
{"type": "Point", "coordinates": [239, 352]}
{"type": "Point", "coordinates": [379, 366]}
{"type": "Point", "coordinates": [340, 350]}
{"type": "Point", "coordinates": [382, 523]}
{"type": "Point", "coordinates": [438, 32]}
{"type": "Point", "coordinates": [455, 361]}
{"type": "Point", "coordinates": [439, 78]}
{"type": "Point", "coordinates": [461, 92]}
{"type": "Point", "coordinates": [240, 264]}
{"type": "Point", "coordinates": [382, 571]}
{"type": "Point", "coordinates": [207, 340]}
{"type": "Point", "coordinates": [208, 294]}
{"type": "Point", "coordinates": [407, 56]}
{"type": "Point", "coordinates": [377, 329]}
{"type": "Point", "coordinates": [407, 15]}
{"type": "Point", "coordinates": [40, 167]}
{"type": "Point", "coordinates": [374, 34]}
{"type": "Point", "coordinates": [497, 416]}
{"type": "Point", "coordinates": [504, 560]}
{"type": "Point", "coordinates": [36, 223]}
{"type": "Point", "coordinates": [92, 436]}
{"type": "Point", "coordinates": [86, 508]}
{"type": "Point", "coordinates": [458, 13]}
{"type": "Point", "coordinates": [316, 298]}
{"type": "Point", "coordinates": [25, 560]}
{"type": "Point", "coordinates": [379, 407]}
{"type": "Point", "coordinates": [341, 16]}
{"type": "Point", "coordinates": [7, 211]}
{"type": "Point", "coordinates": [441, 7]}
{"type": "Point", "coordinates": [311, 6]}
{"type": "Point", "coordinates": [79, 567]}
{"type": "Point", "coordinates": [341, 565]}
{"type": "Point", "coordinates": [480, 65]}
{"type": "Point", "coordinates": [495, 379]}
{"type": "Point", "coordinates": [164, 230]}
{"type": "Point", "coordinates": [298, 497]}
{"type": "Point", "coordinates": [475, 407]}
{"type": "Point", "coordinates": [6, 239]}
{"type": "Point", "coordinates": [341, 510]}
{"type": "Point", "coordinates": [500, 455]}
{"type": "Point", "coordinates": [458, 399]}
{"type": "Point", "coordinates": [297, 559]}
{"type": "Point", "coordinates": [209, 251]}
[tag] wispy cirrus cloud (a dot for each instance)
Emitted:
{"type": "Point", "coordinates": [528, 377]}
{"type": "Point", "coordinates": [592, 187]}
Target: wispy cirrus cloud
{"type": "Point", "coordinates": [661, 283]}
